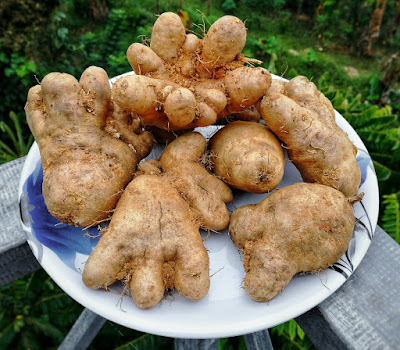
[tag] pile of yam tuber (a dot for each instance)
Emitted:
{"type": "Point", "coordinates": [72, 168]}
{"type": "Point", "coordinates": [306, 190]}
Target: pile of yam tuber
{"type": "Point", "coordinates": [92, 139]}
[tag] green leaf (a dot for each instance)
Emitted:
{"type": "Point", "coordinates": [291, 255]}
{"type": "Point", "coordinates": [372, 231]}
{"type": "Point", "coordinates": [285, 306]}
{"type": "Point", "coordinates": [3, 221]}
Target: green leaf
{"type": "Point", "coordinates": [382, 172]}
{"type": "Point", "coordinates": [17, 126]}
{"type": "Point", "coordinates": [62, 32]}
{"type": "Point", "coordinates": [300, 332]}
{"type": "Point", "coordinates": [49, 298]}
{"type": "Point", "coordinates": [292, 329]}
{"type": "Point", "coordinates": [144, 342]}
{"type": "Point", "coordinates": [3, 58]}
{"type": "Point", "coordinates": [329, 3]}
{"type": "Point", "coordinates": [7, 150]}
{"type": "Point", "coordinates": [30, 341]}
{"type": "Point", "coordinates": [6, 336]}
{"type": "Point", "coordinates": [222, 344]}
{"type": "Point", "coordinates": [242, 344]}
{"type": "Point", "coordinates": [391, 215]}
{"type": "Point", "coordinates": [17, 147]}
{"type": "Point", "coordinates": [45, 327]}
{"type": "Point", "coordinates": [7, 129]}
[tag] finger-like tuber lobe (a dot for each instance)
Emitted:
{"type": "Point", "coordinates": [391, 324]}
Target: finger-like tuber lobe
{"type": "Point", "coordinates": [223, 41]}
{"type": "Point", "coordinates": [167, 36]}
{"type": "Point", "coordinates": [180, 107]}
{"type": "Point", "coordinates": [84, 167]}
{"type": "Point", "coordinates": [153, 240]}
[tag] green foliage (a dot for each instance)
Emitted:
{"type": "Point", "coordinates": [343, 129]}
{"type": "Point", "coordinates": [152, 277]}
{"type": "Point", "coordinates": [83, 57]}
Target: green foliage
{"type": "Point", "coordinates": [35, 313]}
{"type": "Point", "coordinates": [229, 6]}
{"type": "Point", "coordinates": [18, 67]}
{"type": "Point", "coordinates": [349, 16]}
{"type": "Point", "coordinates": [146, 341]}
{"type": "Point", "coordinates": [234, 343]}
{"type": "Point", "coordinates": [290, 336]}
{"type": "Point", "coordinates": [264, 5]}
{"type": "Point", "coordinates": [113, 336]}
{"type": "Point", "coordinates": [352, 17]}
{"type": "Point", "coordinates": [16, 146]}
{"type": "Point", "coordinates": [390, 217]}
{"type": "Point", "coordinates": [287, 336]}
{"type": "Point", "coordinates": [379, 128]}
{"type": "Point", "coordinates": [19, 72]}
{"type": "Point", "coordinates": [266, 48]}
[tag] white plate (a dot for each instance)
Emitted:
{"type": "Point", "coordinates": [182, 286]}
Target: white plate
{"type": "Point", "coordinates": [226, 311]}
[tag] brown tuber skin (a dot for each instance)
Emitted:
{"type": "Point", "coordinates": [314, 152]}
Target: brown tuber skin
{"type": "Point", "coordinates": [300, 228]}
{"type": "Point", "coordinates": [318, 147]}
{"type": "Point", "coordinates": [247, 156]}
{"type": "Point", "coordinates": [183, 82]}
{"type": "Point", "coordinates": [84, 168]}
{"type": "Point", "coordinates": [156, 225]}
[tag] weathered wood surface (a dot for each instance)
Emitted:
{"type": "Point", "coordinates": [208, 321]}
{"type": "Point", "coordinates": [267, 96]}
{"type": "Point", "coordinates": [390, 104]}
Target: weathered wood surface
{"type": "Point", "coordinates": [11, 234]}
{"type": "Point", "coordinates": [258, 340]}
{"type": "Point", "coordinates": [16, 258]}
{"type": "Point", "coordinates": [254, 341]}
{"type": "Point", "coordinates": [363, 314]}
{"type": "Point", "coordinates": [198, 344]}
{"type": "Point", "coordinates": [83, 331]}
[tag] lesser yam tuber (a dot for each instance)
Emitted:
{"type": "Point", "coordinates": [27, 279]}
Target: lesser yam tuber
{"type": "Point", "coordinates": [155, 227]}
{"type": "Point", "coordinates": [299, 228]}
{"type": "Point", "coordinates": [318, 147]}
{"type": "Point", "coordinates": [84, 168]}
{"type": "Point", "coordinates": [91, 138]}
{"type": "Point", "coordinates": [183, 82]}
{"type": "Point", "coordinates": [247, 156]}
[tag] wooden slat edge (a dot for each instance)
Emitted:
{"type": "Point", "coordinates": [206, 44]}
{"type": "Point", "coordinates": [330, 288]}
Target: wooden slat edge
{"type": "Point", "coordinates": [11, 233]}
{"type": "Point", "coordinates": [16, 263]}
{"type": "Point", "coordinates": [84, 330]}
{"type": "Point", "coordinates": [364, 312]}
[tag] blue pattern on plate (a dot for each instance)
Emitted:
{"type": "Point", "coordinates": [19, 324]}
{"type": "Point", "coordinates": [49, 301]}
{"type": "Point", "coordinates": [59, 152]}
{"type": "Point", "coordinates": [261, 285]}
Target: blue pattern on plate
{"type": "Point", "coordinates": [62, 239]}
{"type": "Point", "coordinates": [66, 240]}
{"type": "Point", "coordinates": [364, 161]}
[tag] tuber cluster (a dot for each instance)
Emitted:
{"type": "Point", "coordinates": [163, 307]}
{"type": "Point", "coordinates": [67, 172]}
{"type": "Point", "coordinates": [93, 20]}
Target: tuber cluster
{"type": "Point", "coordinates": [183, 82]}
{"type": "Point", "coordinates": [92, 141]}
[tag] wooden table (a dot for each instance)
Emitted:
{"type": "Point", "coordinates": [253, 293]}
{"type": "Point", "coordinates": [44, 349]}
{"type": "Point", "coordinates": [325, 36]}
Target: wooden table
{"type": "Point", "coordinates": [363, 314]}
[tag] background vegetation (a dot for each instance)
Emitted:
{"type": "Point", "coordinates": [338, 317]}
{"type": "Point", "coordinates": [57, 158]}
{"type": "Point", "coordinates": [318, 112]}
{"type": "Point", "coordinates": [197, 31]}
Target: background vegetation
{"type": "Point", "coordinates": [349, 48]}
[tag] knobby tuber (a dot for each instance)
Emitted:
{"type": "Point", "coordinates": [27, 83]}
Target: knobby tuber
{"type": "Point", "coordinates": [299, 228]}
{"type": "Point", "coordinates": [84, 168]}
{"type": "Point", "coordinates": [247, 156]}
{"type": "Point", "coordinates": [183, 82]}
{"type": "Point", "coordinates": [153, 240]}
{"type": "Point", "coordinates": [303, 118]}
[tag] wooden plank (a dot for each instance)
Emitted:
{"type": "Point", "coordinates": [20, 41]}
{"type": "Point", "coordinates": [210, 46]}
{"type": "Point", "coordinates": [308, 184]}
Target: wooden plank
{"type": "Point", "coordinates": [16, 258]}
{"type": "Point", "coordinates": [196, 344]}
{"type": "Point", "coordinates": [258, 340]}
{"type": "Point", "coordinates": [16, 263]}
{"type": "Point", "coordinates": [11, 234]}
{"type": "Point", "coordinates": [83, 331]}
{"type": "Point", "coordinates": [365, 312]}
